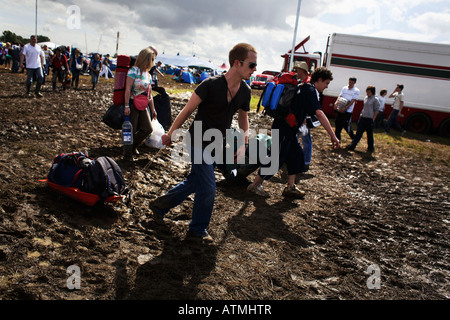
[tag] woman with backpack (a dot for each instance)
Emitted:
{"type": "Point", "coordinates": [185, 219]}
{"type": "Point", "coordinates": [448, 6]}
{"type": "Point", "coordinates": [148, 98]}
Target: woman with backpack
{"type": "Point", "coordinates": [138, 96]}
{"type": "Point", "coordinates": [76, 63]}
{"type": "Point", "coordinates": [95, 67]}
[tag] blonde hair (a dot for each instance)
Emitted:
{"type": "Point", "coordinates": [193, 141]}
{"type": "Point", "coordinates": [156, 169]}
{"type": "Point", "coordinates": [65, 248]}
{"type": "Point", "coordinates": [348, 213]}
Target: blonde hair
{"type": "Point", "coordinates": [145, 59]}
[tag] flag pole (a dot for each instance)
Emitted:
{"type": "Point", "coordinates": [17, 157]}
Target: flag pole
{"type": "Point", "coordinates": [35, 20]}
{"type": "Point", "coordinates": [295, 35]}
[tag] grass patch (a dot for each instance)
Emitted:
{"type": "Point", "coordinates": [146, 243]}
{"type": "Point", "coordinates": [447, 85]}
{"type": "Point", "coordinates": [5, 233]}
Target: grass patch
{"type": "Point", "coordinates": [254, 102]}
{"type": "Point", "coordinates": [432, 148]}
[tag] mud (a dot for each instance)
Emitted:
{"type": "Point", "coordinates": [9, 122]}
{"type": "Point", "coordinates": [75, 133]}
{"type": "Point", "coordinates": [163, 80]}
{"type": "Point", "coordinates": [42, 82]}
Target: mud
{"type": "Point", "coordinates": [387, 211]}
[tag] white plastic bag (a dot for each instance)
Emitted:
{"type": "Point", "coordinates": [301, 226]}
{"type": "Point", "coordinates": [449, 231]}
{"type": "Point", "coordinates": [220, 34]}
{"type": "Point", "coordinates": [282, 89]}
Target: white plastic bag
{"type": "Point", "coordinates": [154, 140]}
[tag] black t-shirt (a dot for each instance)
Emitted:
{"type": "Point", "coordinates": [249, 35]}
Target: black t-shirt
{"type": "Point", "coordinates": [214, 111]}
{"type": "Point", "coordinates": [306, 102]}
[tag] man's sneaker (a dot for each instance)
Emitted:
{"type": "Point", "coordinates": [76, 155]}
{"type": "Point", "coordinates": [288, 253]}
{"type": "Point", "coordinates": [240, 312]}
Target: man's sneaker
{"type": "Point", "coordinates": [293, 192]}
{"type": "Point", "coordinates": [199, 237]}
{"type": "Point", "coordinates": [157, 214]}
{"type": "Point", "coordinates": [350, 147]}
{"type": "Point", "coordinates": [258, 190]}
{"type": "Point", "coordinates": [38, 94]}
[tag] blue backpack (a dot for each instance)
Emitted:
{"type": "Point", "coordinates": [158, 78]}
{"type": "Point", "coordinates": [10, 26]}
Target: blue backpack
{"type": "Point", "coordinates": [278, 96]}
{"type": "Point", "coordinates": [68, 169]}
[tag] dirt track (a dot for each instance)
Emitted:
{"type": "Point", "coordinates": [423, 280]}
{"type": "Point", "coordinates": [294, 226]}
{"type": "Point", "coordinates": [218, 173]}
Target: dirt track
{"type": "Point", "coordinates": [388, 210]}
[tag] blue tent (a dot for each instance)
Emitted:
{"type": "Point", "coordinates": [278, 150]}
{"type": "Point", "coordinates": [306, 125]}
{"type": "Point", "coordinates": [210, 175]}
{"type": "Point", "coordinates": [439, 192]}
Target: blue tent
{"type": "Point", "coordinates": [204, 75]}
{"type": "Point", "coordinates": [187, 61]}
{"type": "Point", "coordinates": [188, 77]}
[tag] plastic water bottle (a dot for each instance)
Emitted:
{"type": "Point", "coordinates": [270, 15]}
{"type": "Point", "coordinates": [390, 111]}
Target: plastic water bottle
{"type": "Point", "coordinates": [127, 132]}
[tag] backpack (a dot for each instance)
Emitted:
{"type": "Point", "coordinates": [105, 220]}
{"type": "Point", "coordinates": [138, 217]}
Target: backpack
{"type": "Point", "coordinates": [67, 169]}
{"type": "Point", "coordinates": [86, 179]}
{"type": "Point", "coordinates": [278, 96]}
{"type": "Point", "coordinates": [104, 178]}
{"type": "Point", "coordinates": [122, 67]}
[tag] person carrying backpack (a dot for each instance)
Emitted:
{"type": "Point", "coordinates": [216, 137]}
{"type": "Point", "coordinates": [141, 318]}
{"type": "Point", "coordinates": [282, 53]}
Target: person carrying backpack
{"type": "Point", "coordinates": [138, 99]}
{"type": "Point", "coordinates": [60, 68]}
{"type": "Point", "coordinates": [76, 63]}
{"type": "Point", "coordinates": [306, 102]}
{"type": "Point", "coordinates": [95, 67]}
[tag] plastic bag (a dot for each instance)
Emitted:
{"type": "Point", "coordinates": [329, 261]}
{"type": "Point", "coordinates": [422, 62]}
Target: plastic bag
{"type": "Point", "coordinates": [154, 140]}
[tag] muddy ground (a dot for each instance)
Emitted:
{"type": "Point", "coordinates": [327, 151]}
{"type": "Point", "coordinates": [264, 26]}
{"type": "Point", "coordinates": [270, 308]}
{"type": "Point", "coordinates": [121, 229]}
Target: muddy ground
{"type": "Point", "coordinates": [388, 211]}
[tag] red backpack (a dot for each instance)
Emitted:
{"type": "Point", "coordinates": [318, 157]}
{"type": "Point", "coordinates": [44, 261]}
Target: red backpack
{"type": "Point", "coordinates": [278, 96]}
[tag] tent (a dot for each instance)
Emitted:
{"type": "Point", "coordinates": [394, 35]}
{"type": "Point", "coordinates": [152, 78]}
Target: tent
{"type": "Point", "coordinates": [187, 61]}
{"type": "Point", "coordinates": [188, 77]}
{"type": "Point", "coordinates": [204, 75]}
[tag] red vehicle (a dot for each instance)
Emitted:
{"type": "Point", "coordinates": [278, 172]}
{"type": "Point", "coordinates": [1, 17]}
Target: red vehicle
{"type": "Point", "coordinates": [261, 80]}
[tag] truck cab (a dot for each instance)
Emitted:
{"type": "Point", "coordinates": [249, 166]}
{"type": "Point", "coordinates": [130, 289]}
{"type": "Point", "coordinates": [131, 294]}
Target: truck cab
{"type": "Point", "coordinates": [314, 60]}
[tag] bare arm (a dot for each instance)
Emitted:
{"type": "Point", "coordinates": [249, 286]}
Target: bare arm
{"type": "Point", "coordinates": [190, 107]}
{"type": "Point", "coordinates": [336, 102]}
{"type": "Point", "coordinates": [243, 125]}
{"type": "Point", "coordinates": [326, 124]}
{"type": "Point", "coordinates": [128, 85]}
{"type": "Point", "coordinates": [243, 122]}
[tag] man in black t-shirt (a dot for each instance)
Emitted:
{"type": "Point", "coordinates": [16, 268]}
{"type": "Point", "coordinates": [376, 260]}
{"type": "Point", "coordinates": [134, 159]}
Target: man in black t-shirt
{"type": "Point", "coordinates": [216, 100]}
{"type": "Point", "coordinates": [305, 103]}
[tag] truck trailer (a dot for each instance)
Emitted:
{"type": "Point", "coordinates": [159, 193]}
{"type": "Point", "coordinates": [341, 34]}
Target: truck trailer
{"type": "Point", "coordinates": [422, 68]}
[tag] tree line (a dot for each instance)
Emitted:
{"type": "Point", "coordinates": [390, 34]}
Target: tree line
{"type": "Point", "coordinates": [9, 36]}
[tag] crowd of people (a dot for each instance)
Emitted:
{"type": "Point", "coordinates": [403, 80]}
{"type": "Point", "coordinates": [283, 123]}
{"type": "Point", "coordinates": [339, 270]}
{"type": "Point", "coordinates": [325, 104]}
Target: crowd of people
{"type": "Point", "coordinates": [371, 116]}
{"type": "Point", "coordinates": [216, 100]}
{"type": "Point", "coordinates": [61, 64]}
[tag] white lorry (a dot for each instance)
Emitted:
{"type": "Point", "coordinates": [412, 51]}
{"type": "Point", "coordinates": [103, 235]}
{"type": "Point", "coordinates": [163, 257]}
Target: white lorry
{"type": "Point", "coordinates": [423, 69]}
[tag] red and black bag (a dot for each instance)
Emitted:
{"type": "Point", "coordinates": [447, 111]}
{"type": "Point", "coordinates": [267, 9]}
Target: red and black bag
{"type": "Point", "coordinates": [85, 179]}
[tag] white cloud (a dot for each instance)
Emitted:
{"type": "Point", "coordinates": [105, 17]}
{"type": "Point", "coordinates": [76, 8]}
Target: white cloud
{"type": "Point", "coordinates": [434, 23]}
{"type": "Point", "coordinates": [210, 28]}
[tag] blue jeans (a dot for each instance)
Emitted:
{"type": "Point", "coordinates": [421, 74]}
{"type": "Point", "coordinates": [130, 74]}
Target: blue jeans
{"type": "Point", "coordinates": [392, 121]}
{"type": "Point", "coordinates": [31, 73]}
{"type": "Point", "coordinates": [200, 181]}
{"type": "Point", "coordinates": [364, 125]}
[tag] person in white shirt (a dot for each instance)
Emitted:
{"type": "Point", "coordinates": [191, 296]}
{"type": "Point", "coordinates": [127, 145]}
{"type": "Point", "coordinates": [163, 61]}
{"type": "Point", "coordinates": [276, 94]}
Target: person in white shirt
{"type": "Point", "coordinates": [397, 106]}
{"type": "Point", "coordinates": [344, 115]}
{"type": "Point", "coordinates": [35, 63]}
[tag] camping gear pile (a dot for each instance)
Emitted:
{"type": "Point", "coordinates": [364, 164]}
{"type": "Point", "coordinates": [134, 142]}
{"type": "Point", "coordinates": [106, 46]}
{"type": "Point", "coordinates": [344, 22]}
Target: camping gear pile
{"type": "Point", "coordinates": [87, 180]}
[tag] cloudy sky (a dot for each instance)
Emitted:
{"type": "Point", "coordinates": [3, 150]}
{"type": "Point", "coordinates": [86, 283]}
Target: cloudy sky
{"type": "Point", "coordinates": [210, 28]}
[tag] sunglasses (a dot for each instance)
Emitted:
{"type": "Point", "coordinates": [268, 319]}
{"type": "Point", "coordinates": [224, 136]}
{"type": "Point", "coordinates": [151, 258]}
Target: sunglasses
{"type": "Point", "coordinates": [251, 65]}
